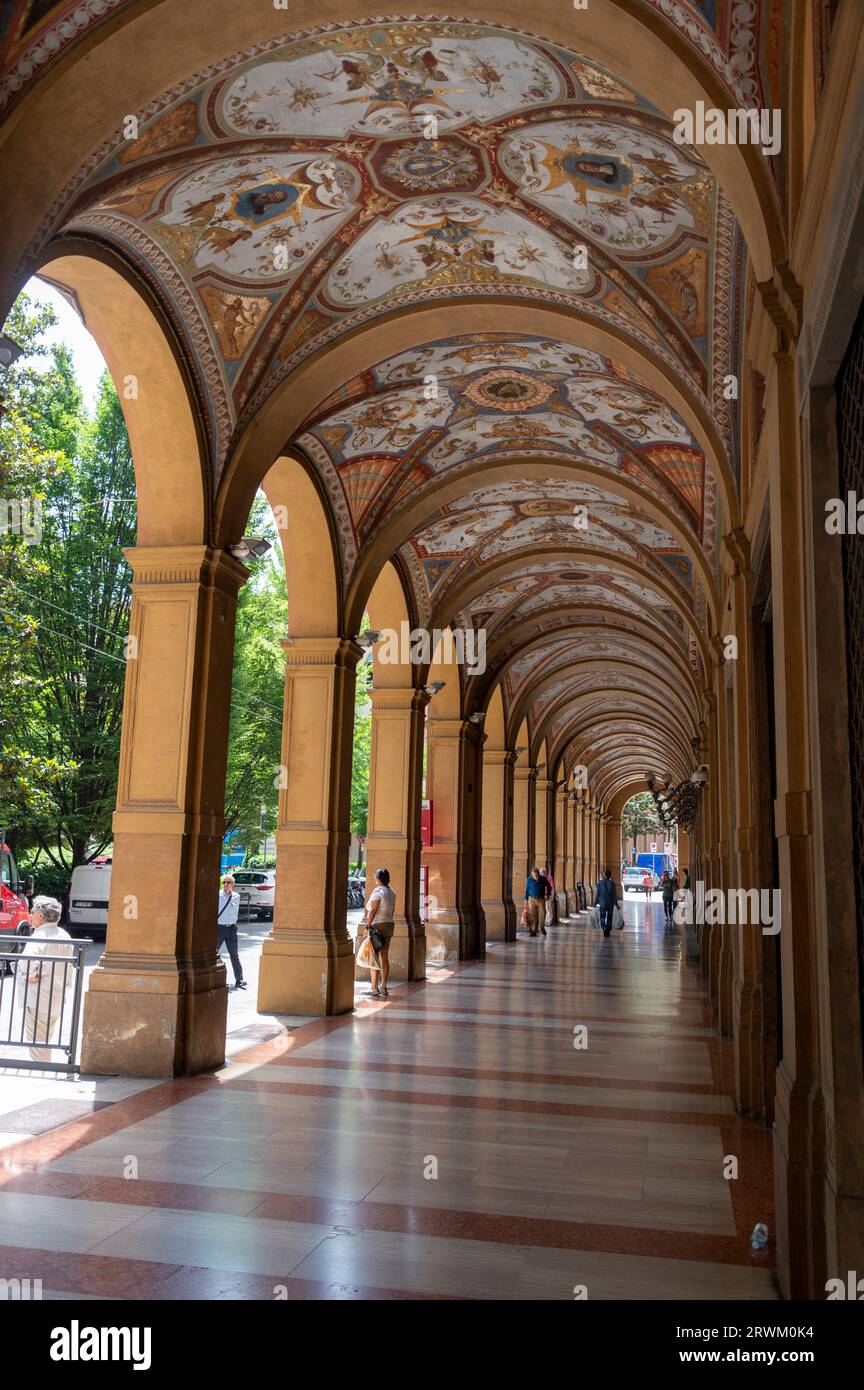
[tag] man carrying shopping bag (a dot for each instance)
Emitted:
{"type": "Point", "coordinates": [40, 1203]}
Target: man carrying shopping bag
{"type": "Point", "coordinates": [606, 899]}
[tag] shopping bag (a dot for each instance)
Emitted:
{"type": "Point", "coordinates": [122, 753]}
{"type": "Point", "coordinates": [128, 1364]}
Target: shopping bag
{"type": "Point", "coordinates": [619, 919]}
{"type": "Point", "coordinates": [594, 914]}
{"type": "Point", "coordinates": [366, 958]}
{"type": "Point", "coordinates": [525, 920]}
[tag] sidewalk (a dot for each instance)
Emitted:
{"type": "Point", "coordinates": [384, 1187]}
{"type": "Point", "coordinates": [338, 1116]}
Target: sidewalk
{"type": "Point", "coordinates": [34, 1102]}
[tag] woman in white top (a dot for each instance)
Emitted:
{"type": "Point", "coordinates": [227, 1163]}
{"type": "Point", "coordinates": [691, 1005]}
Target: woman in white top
{"type": "Point", "coordinates": [379, 909]}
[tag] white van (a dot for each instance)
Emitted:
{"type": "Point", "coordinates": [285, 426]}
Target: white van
{"type": "Point", "coordinates": [88, 897]}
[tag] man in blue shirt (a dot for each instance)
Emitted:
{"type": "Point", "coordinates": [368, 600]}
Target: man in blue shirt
{"type": "Point", "coordinates": [535, 905]}
{"type": "Point", "coordinates": [606, 898]}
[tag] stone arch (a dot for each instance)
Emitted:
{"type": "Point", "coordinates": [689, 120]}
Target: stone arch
{"type": "Point", "coordinates": [159, 405]}
{"type": "Point", "coordinates": [156, 47]}
{"type": "Point", "coordinates": [525, 638]}
{"type": "Point", "coordinates": [534, 691]}
{"type": "Point", "coordinates": [443, 490]}
{"type": "Point", "coordinates": [308, 548]}
{"type": "Point", "coordinates": [296, 398]}
{"type": "Point", "coordinates": [462, 594]}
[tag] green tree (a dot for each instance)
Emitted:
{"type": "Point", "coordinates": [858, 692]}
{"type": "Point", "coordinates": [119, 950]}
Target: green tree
{"type": "Point", "coordinates": [34, 442]}
{"type": "Point", "coordinates": [255, 737]}
{"type": "Point", "coordinates": [640, 817]}
{"type": "Point", "coordinates": [362, 749]}
{"type": "Point", "coordinates": [79, 595]}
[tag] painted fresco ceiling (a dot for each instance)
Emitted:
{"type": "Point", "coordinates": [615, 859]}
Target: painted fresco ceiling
{"type": "Point", "coordinates": [492, 399]}
{"type": "Point", "coordinates": [34, 34]}
{"type": "Point", "coordinates": [284, 199]}
{"type": "Point", "coordinates": [303, 189]}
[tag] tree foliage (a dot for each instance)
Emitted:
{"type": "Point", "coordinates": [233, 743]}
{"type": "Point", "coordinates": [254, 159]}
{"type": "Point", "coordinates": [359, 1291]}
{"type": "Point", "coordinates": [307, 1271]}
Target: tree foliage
{"type": "Point", "coordinates": [64, 615]}
{"type": "Point", "coordinates": [255, 738]}
{"type": "Point", "coordinates": [362, 749]}
{"type": "Point", "coordinates": [64, 730]}
{"type": "Point", "coordinates": [640, 817]}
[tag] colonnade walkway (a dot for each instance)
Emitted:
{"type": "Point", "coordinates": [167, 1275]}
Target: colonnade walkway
{"type": "Point", "coordinates": [448, 1143]}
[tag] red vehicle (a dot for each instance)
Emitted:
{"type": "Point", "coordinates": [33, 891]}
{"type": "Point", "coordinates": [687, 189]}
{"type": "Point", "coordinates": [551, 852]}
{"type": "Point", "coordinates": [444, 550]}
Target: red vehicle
{"type": "Point", "coordinates": [14, 907]}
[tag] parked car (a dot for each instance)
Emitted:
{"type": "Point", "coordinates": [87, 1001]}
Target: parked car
{"type": "Point", "coordinates": [257, 889]}
{"type": "Point", "coordinates": [89, 892]}
{"type": "Point", "coordinates": [14, 907]}
{"type": "Point", "coordinates": [633, 879]}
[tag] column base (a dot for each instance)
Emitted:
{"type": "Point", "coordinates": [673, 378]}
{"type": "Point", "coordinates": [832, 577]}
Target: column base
{"type": "Point", "coordinates": [500, 921]}
{"type": "Point", "coordinates": [407, 953]}
{"type": "Point", "coordinates": [305, 974]}
{"type": "Point", "coordinates": [142, 1022]}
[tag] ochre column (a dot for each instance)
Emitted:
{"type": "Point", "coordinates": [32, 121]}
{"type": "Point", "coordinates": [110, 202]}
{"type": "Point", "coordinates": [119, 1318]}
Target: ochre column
{"type": "Point", "coordinates": [612, 844]}
{"type": "Point", "coordinates": [307, 961]}
{"type": "Point", "coordinates": [156, 1003]}
{"type": "Point", "coordinates": [541, 823]}
{"type": "Point", "coordinates": [561, 850]}
{"type": "Point", "coordinates": [523, 856]}
{"type": "Point", "coordinates": [747, 999]}
{"type": "Point", "coordinates": [455, 928]}
{"type": "Point", "coordinates": [581, 831]}
{"type": "Point", "coordinates": [393, 836]}
{"type": "Point", "coordinates": [496, 862]}
{"type": "Point", "coordinates": [799, 1121]}
{"type": "Point", "coordinates": [574, 811]}
{"type": "Point", "coordinates": [566, 844]}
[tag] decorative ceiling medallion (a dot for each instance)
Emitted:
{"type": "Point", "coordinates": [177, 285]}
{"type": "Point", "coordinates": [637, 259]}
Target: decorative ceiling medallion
{"type": "Point", "coordinates": [429, 166]}
{"type": "Point", "coordinates": [508, 391]}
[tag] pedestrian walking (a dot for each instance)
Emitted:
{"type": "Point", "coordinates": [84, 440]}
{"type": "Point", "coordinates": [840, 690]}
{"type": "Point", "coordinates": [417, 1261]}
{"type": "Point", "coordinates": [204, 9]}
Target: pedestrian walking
{"type": "Point", "coordinates": [380, 927]}
{"type": "Point", "coordinates": [669, 887]}
{"type": "Point", "coordinates": [535, 903]}
{"type": "Point", "coordinates": [41, 985]}
{"type": "Point", "coordinates": [648, 884]}
{"type": "Point", "coordinates": [226, 923]}
{"type": "Point", "coordinates": [606, 899]}
{"type": "Point", "coordinates": [548, 895]}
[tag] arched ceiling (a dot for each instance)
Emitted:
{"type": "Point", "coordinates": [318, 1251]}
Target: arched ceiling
{"type": "Point", "coordinates": [309, 192]}
{"type": "Point", "coordinates": [37, 34]}
{"type": "Point", "coordinates": [283, 199]}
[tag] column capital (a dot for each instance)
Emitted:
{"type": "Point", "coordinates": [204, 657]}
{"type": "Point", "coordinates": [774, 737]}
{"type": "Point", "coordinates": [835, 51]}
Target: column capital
{"type": "Point", "coordinates": [525, 774]}
{"type": "Point", "coordinates": [398, 698]}
{"type": "Point", "coordinates": [185, 564]}
{"type": "Point", "coordinates": [321, 651]}
{"type": "Point", "coordinates": [783, 300]}
{"type": "Point", "coordinates": [736, 545]}
{"type": "Point", "coordinates": [455, 729]}
{"type": "Point", "coordinates": [505, 757]}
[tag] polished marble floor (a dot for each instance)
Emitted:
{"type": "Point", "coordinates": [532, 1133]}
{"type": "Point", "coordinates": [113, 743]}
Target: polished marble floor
{"type": "Point", "coordinates": [551, 1123]}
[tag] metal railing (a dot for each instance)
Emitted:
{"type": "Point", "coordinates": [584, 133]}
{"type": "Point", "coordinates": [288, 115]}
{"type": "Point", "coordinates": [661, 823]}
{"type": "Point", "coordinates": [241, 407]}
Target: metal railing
{"type": "Point", "coordinates": [40, 1003]}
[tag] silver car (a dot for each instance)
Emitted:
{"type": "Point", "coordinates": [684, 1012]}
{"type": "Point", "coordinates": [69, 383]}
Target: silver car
{"type": "Point", "coordinates": [257, 890]}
